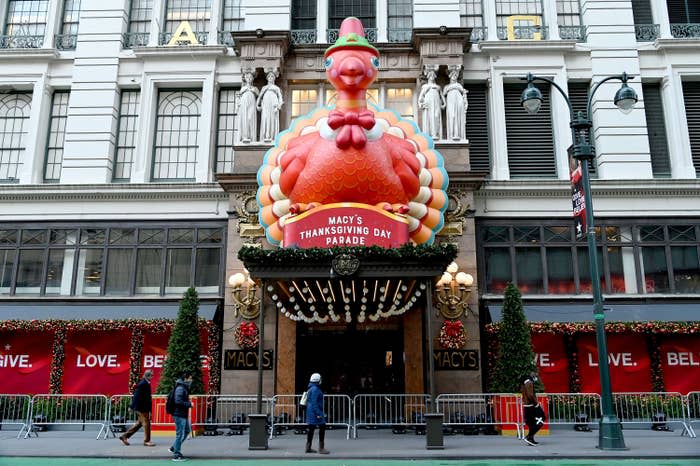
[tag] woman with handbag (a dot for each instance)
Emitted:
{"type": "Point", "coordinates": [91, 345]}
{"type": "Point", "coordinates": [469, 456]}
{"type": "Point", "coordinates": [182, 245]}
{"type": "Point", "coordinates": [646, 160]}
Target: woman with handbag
{"type": "Point", "coordinates": [314, 415]}
{"type": "Point", "coordinates": [533, 412]}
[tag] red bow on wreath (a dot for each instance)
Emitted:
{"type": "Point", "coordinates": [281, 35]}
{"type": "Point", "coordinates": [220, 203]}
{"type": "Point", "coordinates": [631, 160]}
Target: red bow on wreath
{"type": "Point", "coordinates": [351, 126]}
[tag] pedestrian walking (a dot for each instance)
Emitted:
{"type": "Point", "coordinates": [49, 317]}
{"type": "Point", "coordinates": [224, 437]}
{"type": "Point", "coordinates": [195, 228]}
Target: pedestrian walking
{"type": "Point", "coordinates": [141, 404]}
{"type": "Point", "coordinates": [532, 411]}
{"type": "Point", "coordinates": [314, 415]}
{"type": "Point", "coordinates": [181, 411]}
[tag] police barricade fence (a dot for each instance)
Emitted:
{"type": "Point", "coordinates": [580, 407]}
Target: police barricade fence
{"type": "Point", "coordinates": [214, 412]}
{"type": "Point", "coordinates": [398, 411]}
{"type": "Point", "coordinates": [15, 410]}
{"type": "Point", "coordinates": [692, 400]}
{"type": "Point", "coordinates": [288, 413]}
{"type": "Point", "coordinates": [579, 409]}
{"type": "Point", "coordinates": [78, 410]}
{"type": "Point", "coordinates": [474, 412]}
{"type": "Point", "coordinates": [655, 408]}
{"type": "Point", "coordinates": [121, 416]}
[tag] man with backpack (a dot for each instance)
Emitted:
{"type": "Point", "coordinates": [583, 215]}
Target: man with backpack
{"type": "Point", "coordinates": [178, 405]}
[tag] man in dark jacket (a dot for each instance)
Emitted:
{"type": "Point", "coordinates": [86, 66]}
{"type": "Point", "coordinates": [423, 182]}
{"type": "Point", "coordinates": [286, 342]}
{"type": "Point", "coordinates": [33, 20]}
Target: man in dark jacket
{"type": "Point", "coordinates": [315, 416]}
{"type": "Point", "coordinates": [532, 411]}
{"type": "Point", "coordinates": [141, 404]}
{"type": "Point", "coordinates": [181, 415]}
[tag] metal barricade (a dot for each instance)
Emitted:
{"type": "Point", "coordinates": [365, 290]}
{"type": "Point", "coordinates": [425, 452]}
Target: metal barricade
{"type": "Point", "coordinates": [15, 410]}
{"type": "Point", "coordinates": [81, 410]}
{"type": "Point", "coordinates": [213, 412]}
{"type": "Point", "coordinates": [475, 410]}
{"type": "Point", "coordinates": [579, 409]}
{"type": "Point", "coordinates": [287, 413]}
{"type": "Point", "coordinates": [389, 410]}
{"type": "Point", "coordinates": [693, 410]}
{"type": "Point", "coordinates": [121, 416]}
{"type": "Point", "coordinates": [655, 408]}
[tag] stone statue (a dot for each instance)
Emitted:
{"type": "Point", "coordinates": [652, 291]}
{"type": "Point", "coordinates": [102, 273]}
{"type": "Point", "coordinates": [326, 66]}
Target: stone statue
{"type": "Point", "coordinates": [431, 102]}
{"type": "Point", "coordinates": [247, 114]}
{"type": "Point", "coordinates": [456, 98]}
{"type": "Point", "coordinates": [269, 103]}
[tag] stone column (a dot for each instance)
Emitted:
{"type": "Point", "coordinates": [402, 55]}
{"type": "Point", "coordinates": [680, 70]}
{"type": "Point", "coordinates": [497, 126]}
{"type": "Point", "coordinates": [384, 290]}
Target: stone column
{"type": "Point", "coordinates": [207, 130]}
{"type": "Point", "coordinates": [32, 168]}
{"type": "Point", "coordinates": [675, 119]}
{"type": "Point", "coordinates": [215, 22]}
{"type": "Point", "coordinates": [660, 12]}
{"type": "Point", "coordinates": [54, 17]}
{"type": "Point", "coordinates": [321, 21]}
{"type": "Point", "coordinates": [561, 116]}
{"type": "Point", "coordinates": [499, 146]}
{"type": "Point", "coordinates": [549, 18]}
{"type": "Point", "coordinates": [158, 14]}
{"type": "Point", "coordinates": [489, 14]}
{"type": "Point", "coordinates": [382, 16]}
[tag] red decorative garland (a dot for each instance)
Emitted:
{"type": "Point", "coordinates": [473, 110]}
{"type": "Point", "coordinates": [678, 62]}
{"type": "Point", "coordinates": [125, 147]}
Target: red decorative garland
{"type": "Point", "coordinates": [453, 335]}
{"type": "Point", "coordinates": [247, 335]}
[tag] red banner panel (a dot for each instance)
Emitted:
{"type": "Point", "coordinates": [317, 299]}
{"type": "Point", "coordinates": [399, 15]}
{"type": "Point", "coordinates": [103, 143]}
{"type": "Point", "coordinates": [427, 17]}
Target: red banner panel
{"type": "Point", "coordinates": [552, 362]}
{"type": "Point", "coordinates": [680, 360]}
{"type": "Point", "coordinates": [155, 351]}
{"type": "Point", "coordinates": [97, 362]}
{"type": "Point", "coordinates": [629, 363]}
{"type": "Point", "coordinates": [25, 362]}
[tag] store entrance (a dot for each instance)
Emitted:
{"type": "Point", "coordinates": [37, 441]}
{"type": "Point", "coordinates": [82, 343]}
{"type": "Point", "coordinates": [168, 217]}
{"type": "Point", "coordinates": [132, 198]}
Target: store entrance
{"type": "Point", "coordinates": [351, 360]}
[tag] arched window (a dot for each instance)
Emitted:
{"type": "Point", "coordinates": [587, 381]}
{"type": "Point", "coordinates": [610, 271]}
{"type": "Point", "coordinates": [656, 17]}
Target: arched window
{"type": "Point", "coordinates": [177, 129]}
{"type": "Point", "coordinates": [14, 115]}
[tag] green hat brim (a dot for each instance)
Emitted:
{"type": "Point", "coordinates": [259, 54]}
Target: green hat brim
{"type": "Point", "coordinates": [360, 44]}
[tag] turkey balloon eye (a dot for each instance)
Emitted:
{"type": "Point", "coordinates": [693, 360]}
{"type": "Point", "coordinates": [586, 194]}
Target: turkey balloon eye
{"type": "Point", "coordinates": [328, 62]}
{"type": "Point", "coordinates": [375, 62]}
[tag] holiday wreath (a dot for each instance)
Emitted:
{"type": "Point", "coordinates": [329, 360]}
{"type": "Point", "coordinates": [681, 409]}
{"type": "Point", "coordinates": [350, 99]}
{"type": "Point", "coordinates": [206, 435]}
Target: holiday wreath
{"type": "Point", "coordinates": [452, 334]}
{"type": "Point", "coordinates": [247, 335]}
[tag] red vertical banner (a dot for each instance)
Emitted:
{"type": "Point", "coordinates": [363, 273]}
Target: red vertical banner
{"type": "Point", "coordinates": [680, 360]}
{"type": "Point", "coordinates": [629, 363]}
{"type": "Point", "coordinates": [155, 352]}
{"type": "Point", "coordinates": [25, 362]}
{"type": "Point", "coordinates": [552, 362]}
{"type": "Point", "coordinates": [97, 362]}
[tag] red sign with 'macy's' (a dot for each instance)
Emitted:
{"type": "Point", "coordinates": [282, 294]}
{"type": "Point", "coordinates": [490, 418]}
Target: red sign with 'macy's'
{"type": "Point", "coordinates": [345, 224]}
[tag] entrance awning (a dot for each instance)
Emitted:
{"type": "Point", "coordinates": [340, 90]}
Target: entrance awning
{"type": "Point", "coordinates": [568, 312]}
{"type": "Point", "coordinates": [95, 310]}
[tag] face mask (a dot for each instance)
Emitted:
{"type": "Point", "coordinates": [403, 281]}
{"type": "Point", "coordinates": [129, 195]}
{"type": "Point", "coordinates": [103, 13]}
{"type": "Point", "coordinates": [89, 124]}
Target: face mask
{"type": "Point", "coordinates": [188, 383]}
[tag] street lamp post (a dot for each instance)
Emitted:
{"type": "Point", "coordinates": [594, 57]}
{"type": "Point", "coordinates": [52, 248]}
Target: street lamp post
{"type": "Point", "coordinates": [610, 431]}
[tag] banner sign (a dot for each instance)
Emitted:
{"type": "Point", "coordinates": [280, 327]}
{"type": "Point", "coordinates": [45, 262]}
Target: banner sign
{"type": "Point", "coordinates": [25, 362]}
{"type": "Point", "coordinates": [345, 224]}
{"type": "Point", "coordinates": [578, 199]}
{"type": "Point", "coordinates": [552, 362]}
{"type": "Point", "coordinates": [244, 360]}
{"type": "Point", "coordinates": [155, 352]}
{"type": "Point", "coordinates": [628, 357]}
{"type": "Point", "coordinates": [97, 362]}
{"type": "Point", "coordinates": [456, 360]}
{"type": "Point", "coordinates": [680, 360]}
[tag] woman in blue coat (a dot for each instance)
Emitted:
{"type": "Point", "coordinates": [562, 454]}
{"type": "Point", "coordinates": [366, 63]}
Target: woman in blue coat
{"type": "Point", "coordinates": [314, 415]}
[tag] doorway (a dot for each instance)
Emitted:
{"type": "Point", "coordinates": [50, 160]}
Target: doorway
{"type": "Point", "coordinates": [351, 360]}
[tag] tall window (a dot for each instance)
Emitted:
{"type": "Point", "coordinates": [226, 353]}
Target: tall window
{"type": "Point", "coordinates": [126, 135]}
{"type": "Point", "coordinates": [478, 127]}
{"type": "Point", "coordinates": [530, 137]}
{"type": "Point", "coordinates": [364, 10]}
{"type": "Point", "coordinates": [303, 101]}
{"type": "Point", "coordinates": [522, 28]}
{"type": "Point", "coordinates": [227, 132]}
{"type": "Point", "coordinates": [400, 20]}
{"type": "Point", "coordinates": [57, 135]}
{"type": "Point", "coordinates": [684, 16]}
{"type": "Point", "coordinates": [691, 96]}
{"type": "Point", "coordinates": [14, 116]}
{"type": "Point", "coordinates": [140, 14]}
{"type": "Point", "coordinates": [69, 26]}
{"type": "Point", "coordinates": [232, 20]}
{"type": "Point", "coordinates": [578, 95]}
{"type": "Point", "coordinates": [471, 15]}
{"type": "Point", "coordinates": [400, 99]}
{"type": "Point", "coordinates": [569, 19]}
{"type": "Point", "coordinates": [644, 26]}
{"type": "Point", "coordinates": [656, 130]}
{"type": "Point", "coordinates": [177, 129]}
{"type": "Point", "coordinates": [26, 21]}
{"type": "Point", "coordinates": [197, 12]}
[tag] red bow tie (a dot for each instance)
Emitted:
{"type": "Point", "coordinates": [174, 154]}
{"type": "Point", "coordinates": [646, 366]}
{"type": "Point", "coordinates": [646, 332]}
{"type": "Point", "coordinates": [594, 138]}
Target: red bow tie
{"type": "Point", "coordinates": [351, 126]}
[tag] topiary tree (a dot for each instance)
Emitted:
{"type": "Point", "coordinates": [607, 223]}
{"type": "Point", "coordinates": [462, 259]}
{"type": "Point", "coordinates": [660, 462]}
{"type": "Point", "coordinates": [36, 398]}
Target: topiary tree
{"type": "Point", "coordinates": [184, 348]}
{"type": "Point", "coordinates": [515, 357]}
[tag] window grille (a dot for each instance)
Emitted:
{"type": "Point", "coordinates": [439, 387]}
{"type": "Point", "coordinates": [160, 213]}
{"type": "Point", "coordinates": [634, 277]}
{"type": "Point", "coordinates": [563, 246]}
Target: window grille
{"type": "Point", "coordinates": [644, 26]}
{"type": "Point", "coordinates": [14, 117]}
{"type": "Point", "coordinates": [400, 20]}
{"type": "Point", "coordinates": [227, 133]}
{"type": "Point", "coordinates": [26, 18]}
{"type": "Point", "coordinates": [56, 137]}
{"type": "Point", "coordinates": [232, 20]}
{"type": "Point", "coordinates": [568, 13]}
{"type": "Point", "coordinates": [691, 96]}
{"type": "Point", "coordinates": [176, 139]}
{"type": "Point", "coordinates": [126, 134]}
{"type": "Point", "coordinates": [478, 127]}
{"type": "Point", "coordinates": [656, 130]}
{"type": "Point", "coordinates": [364, 10]}
{"type": "Point", "coordinates": [578, 96]}
{"type": "Point", "coordinates": [683, 11]}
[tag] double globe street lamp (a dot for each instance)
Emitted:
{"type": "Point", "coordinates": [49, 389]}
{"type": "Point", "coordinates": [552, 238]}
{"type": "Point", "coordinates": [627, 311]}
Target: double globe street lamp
{"type": "Point", "coordinates": [610, 431]}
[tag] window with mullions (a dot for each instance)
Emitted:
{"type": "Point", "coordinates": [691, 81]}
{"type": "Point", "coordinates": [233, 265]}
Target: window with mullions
{"type": "Point", "coordinates": [56, 137]}
{"type": "Point", "coordinates": [528, 19]}
{"type": "Point", "coordinates": [303, 101]}
{"type": "Point", "coordinates": [126, 135]}
{"type": "Point", "coordinates": [471, 15]}
{"type": "Point", "coordinates": [304, 14]}
{"type": "Point", "coordinates": [232, 20]}
{"type": "Point", "coordinates": [400, 20]}
{"type": "Point", "coordinates": [227, 133]}
{"type": "Point", "coordinates": [27, 18]}
{"type": "Point", "coordinates": [177, 130]}
{"type": "Point", "coordinates": [110, 261]}
{"type": "Point", "coordinates": [400, 99]}
{"type": "Point", "coordinates": [364, 10]}
{"type": "Point", "coordinates": [633, 258]}
{"type": "Point", "coordinates": [196, 12]}
{"type": "Point", "coordinates": [569, 19]}
{"type": "Point", "coordinates": [140, 13]}
{"type": "Point", "coordinates": [683, 12]}
{"type": "Point", "coordinates": [14, 116]}
{"type": "Point", "coordinates": [68, 38]}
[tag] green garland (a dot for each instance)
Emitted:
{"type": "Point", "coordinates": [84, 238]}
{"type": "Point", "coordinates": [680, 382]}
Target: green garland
{"type": "Point", "coordinates": [292, 256]}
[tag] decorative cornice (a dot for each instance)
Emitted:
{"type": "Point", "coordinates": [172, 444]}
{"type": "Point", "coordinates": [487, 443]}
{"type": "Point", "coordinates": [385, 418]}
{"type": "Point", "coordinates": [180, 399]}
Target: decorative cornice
{"type": "Point", "coordinates": [611, 188]}
{"type": "Point", "coordinates": [528, 45]}
{"type": "Point", "coordinates": [677, 44]}
{"type": "Point", "coordinates": [110, 192]}
{"type": "Point", "coordinates": [235, 183]}
{"type": "Point", "coordinates": [19, 54]}
{"type": "Point", "coordinates": [167, 51]}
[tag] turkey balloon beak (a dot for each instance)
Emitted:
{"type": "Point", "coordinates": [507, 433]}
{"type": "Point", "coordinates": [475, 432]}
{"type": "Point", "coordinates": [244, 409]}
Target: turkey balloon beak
{"type": "Point", "coordinates": [352, 71]}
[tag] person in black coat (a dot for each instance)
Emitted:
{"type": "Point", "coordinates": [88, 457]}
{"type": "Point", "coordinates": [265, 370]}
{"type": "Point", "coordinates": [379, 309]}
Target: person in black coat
{"type": "Point", "coordinates": [141, 404]}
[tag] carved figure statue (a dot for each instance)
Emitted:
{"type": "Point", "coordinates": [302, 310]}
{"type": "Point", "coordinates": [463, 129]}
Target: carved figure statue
{"type": "Point", "coordinates": [247, 114]}
{"type": "Point", "coordinates": [456, 99]}
{"type": "Point", "coordinates": [431, 102]}
{"type": "Point", "coordinates": [269, 103]}
{"type": "Point", "coordinates": [353, 153]}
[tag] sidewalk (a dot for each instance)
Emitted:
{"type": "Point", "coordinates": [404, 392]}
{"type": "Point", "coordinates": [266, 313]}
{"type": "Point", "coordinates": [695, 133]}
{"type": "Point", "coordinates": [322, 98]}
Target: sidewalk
{"type": "Point", "coordinates": [371, 444]}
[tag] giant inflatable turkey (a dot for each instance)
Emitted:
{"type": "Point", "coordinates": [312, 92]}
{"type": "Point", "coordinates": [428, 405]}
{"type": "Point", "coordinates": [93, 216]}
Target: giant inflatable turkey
{"type": "Point", "coordinates": [353, 152]}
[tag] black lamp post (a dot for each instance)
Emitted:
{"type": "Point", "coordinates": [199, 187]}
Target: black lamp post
{"type": "Point", "coordinates": [610, 432]}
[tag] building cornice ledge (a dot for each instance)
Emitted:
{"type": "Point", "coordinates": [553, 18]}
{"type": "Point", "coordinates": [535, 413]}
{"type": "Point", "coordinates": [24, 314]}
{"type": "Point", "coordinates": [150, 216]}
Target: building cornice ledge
{"type": "Point", "coordinates": [112, 192]}
{"type": "Point", "coordinates": [671, 44]}
{"type": "Point", "coordinates": [611, 188]}
{"type": "Point", "coordinates": [18, 54]}
{"type": "Point", "coordinates": [165, 51]}
{"type": "Point", "coordinates": [528, 45]}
